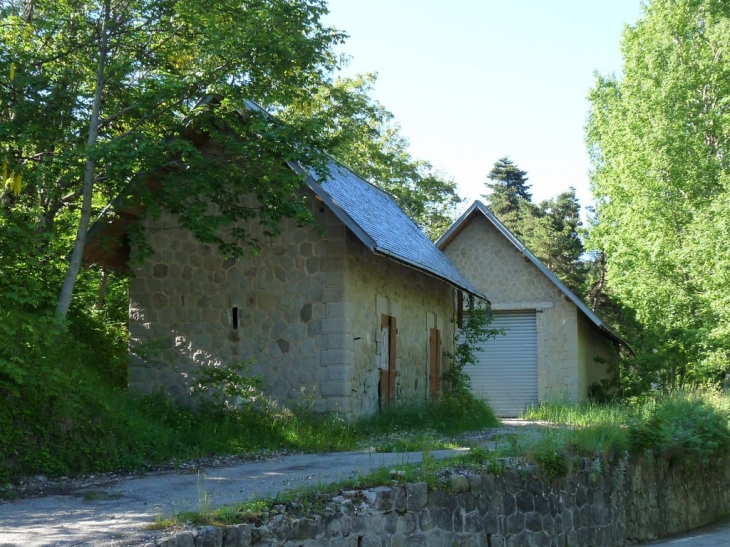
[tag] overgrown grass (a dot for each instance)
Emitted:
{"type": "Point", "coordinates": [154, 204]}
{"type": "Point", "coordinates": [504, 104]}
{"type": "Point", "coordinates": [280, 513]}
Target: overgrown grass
{"type": "Point", "coordinates": [67, 417]}
{"type": "Point", "coordinates": [449, 415]}
{"type": "Point", "coordinates": [692, 424]}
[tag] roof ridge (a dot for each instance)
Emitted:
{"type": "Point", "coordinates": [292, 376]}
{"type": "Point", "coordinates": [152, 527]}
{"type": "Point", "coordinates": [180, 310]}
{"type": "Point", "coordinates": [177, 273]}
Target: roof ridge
{"type": "Point", "coordinates": [444, 240]}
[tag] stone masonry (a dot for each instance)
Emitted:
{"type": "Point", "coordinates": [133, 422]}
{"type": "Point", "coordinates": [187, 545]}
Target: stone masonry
{"type": "Point", "coordinates": [303, 313]}
{"type": "Point", "coordinates": [633, 501]}
{"type": "Point", "coordinates": [377, 286]}
{"type": "Point", "coordinates": [566, 353]}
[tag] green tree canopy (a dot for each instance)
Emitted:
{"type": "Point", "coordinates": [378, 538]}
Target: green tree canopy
{"type": "Point", "coordinates": [550, 230]}
{"type": "Point", "coordinates": [658, 138]}
{"type": "Point", "coordinates": [92, 90]}
{"type": "Point", "coordinates": [508, 189]}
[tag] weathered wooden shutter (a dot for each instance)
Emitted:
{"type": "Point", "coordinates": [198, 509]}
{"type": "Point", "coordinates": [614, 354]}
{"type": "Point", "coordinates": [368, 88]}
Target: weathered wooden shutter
{"type": "Point", "coordinates": [434, 344]}
{"type": "Point", "coordinates": [388, 375]}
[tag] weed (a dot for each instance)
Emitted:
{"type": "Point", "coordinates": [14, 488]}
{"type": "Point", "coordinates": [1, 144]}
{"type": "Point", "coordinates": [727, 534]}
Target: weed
{"type": "Point", "coordinates": [203, 495]}
{"type": "Point", "coordinates": [73, 417]}
{"type": "Point", "coordinates": [682, 424]}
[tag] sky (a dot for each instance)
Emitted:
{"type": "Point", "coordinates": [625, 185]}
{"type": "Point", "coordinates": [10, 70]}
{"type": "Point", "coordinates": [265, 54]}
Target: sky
{"type": "Point", "coordinates": [472, 81]}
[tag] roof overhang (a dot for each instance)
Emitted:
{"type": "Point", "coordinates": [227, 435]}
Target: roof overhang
{"type": "Point", "coordinates": [366, 239]}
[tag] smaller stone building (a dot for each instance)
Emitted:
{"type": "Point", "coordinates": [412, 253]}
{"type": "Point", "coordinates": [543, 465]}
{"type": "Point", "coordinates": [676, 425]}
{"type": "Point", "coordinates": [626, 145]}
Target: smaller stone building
{"type": "Point", "coordinates": [553, 347]}
{"type": "Point", "coordinates": [353, 311]}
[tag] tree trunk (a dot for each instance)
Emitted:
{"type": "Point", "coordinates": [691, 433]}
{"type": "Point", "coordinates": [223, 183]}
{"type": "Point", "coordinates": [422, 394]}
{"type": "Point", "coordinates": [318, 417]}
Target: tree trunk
{"type": "Point", "coordinates": [598, 288]}
{"type": "Point", "coordinates": [64, 299]}
{"type": "Point", "coordinates": [101, 295]}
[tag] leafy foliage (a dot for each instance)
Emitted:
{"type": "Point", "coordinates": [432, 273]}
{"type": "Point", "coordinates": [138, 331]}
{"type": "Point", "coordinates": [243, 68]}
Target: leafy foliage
{"type": "Point", "coordinates": [658, 140]}
{"type": "Point", "coordinates": [686, 425]}
{"type": "Point", "coordinates": [550, 230]}
{"type": "Point", "coordinates": [468, 339]}
{"type": "Point", "coordinates": [692, 425]}
{"type": "Point", "coordinates": [94, 91]}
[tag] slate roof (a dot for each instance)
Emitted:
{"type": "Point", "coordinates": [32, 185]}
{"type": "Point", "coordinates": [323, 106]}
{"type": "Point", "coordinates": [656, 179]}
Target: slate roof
{"type": "Point", "coordinates": [478, 207]}
{"type": "Point", "coordinates": [376, 219]}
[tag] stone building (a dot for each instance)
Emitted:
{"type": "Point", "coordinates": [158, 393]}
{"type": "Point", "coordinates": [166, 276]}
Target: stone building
{"type": "Point", "coordinates": [553, 347]}
{"type": "Point", "coordinates": [353, 312]}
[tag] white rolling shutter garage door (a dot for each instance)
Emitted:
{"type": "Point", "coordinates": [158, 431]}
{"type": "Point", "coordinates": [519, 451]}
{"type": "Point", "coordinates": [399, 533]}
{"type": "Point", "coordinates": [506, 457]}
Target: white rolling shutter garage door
{"type": "Point", "coordinates": [506, 369]}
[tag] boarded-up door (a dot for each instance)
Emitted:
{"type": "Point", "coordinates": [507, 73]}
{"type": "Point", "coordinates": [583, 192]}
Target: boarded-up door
{"type": "Point", "coordinates": [506, 368]}
{"type": "Point", "coordinates": [388, 370]}
{"type": "Point", "coordinates": [434, 356]}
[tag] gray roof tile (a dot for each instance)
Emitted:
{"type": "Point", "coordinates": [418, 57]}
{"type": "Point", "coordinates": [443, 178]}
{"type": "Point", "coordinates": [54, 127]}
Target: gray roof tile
{"type": "Point", "coordinates": [374, 216]}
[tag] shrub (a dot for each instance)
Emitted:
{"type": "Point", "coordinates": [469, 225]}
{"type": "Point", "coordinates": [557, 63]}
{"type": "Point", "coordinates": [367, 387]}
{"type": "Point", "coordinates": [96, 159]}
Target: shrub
{"type": "Point", "coordinates": [693, 424]}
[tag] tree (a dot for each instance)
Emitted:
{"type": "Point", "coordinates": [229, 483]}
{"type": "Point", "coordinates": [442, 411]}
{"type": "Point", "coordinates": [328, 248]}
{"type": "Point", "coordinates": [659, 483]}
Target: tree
{"type": "Point", "coordinates": [509, 192]}
{"type": "Point", "coordinates": [658, 139]}
{"type": "Point", "coordinates": [549, 229]}
{"type": "Point", "coordinates": [93, 90]}
{"type": "Point", "coordinates": [361, 133]}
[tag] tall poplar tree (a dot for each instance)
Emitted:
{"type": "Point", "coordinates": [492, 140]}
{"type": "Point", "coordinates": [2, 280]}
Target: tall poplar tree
{"type": "Point", "coordinates": [659, 138]}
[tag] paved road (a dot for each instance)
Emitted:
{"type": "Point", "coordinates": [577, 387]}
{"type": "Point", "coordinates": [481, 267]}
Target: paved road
{"type": "Point", "coordinates": [117, 513]}
{"type": "Point", "coordinates": [715, 535]}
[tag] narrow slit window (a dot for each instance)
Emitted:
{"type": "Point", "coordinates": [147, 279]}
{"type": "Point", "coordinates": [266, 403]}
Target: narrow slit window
{"type": "Point", "coordinates": [234, 318]}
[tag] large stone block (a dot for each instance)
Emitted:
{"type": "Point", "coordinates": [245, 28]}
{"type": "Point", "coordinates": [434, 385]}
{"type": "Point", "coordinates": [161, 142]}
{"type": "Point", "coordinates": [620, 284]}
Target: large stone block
{"type": "Point", "coordinates": [333, 264]}
{"type": "Point", "coordinates": [209, 536]}
{"type": "Point", "coordinates": [330, 389]}
{"type": "Point", "coordinates": [333, 357]}
{"type": "Point", "coordinates": [336, 309]}
{"type": "Point", "coordinates": [339, 372]}
{"type": "Point", "coordinates": [333, 294]}
{"type": "Point", "coordinates": [335, 325]}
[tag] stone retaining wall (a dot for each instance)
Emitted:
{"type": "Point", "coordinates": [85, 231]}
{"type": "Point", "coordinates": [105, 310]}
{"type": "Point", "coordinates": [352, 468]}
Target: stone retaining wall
{"type": "Point", "coordinates": [633, 501]}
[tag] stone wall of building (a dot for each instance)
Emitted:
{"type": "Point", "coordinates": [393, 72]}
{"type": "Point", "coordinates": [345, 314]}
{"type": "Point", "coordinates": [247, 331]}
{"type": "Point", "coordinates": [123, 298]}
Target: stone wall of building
{"type": "Point", "coordinates": [633, 501]}
{"type": "Point", "coordinates": [307, 309]}
{"type": "Point", "coordinates": [288, 300]}
{"type": "Point", "coordinates": [597, 354]}
{"type": "Point", "coordinates": [511, 281]}
{"type": "Point", "coordinates": [377, 286]}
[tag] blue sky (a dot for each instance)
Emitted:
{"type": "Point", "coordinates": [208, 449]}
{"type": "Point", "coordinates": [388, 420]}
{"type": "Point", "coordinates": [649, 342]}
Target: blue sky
{"type": "Point", "coordinates": [472, 81]}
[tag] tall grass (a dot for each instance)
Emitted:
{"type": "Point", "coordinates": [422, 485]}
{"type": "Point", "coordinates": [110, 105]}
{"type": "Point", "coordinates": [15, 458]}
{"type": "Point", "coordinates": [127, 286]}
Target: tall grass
{"type": "Point", "coordinates": [70, 419]}
{"type": "Point", "coordinates": [580, 415]}
{"type": "Point", "coordinates": [693, 423]}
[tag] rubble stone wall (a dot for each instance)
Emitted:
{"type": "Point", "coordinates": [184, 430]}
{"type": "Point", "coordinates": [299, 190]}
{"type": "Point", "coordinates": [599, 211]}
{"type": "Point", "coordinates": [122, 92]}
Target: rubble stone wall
{"type": "Point", "coordinates": [307, 315]}
{"type": "Point", "coordinates": [632, 502]}
{"type": "Point", "coordinates": [287, 299]}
